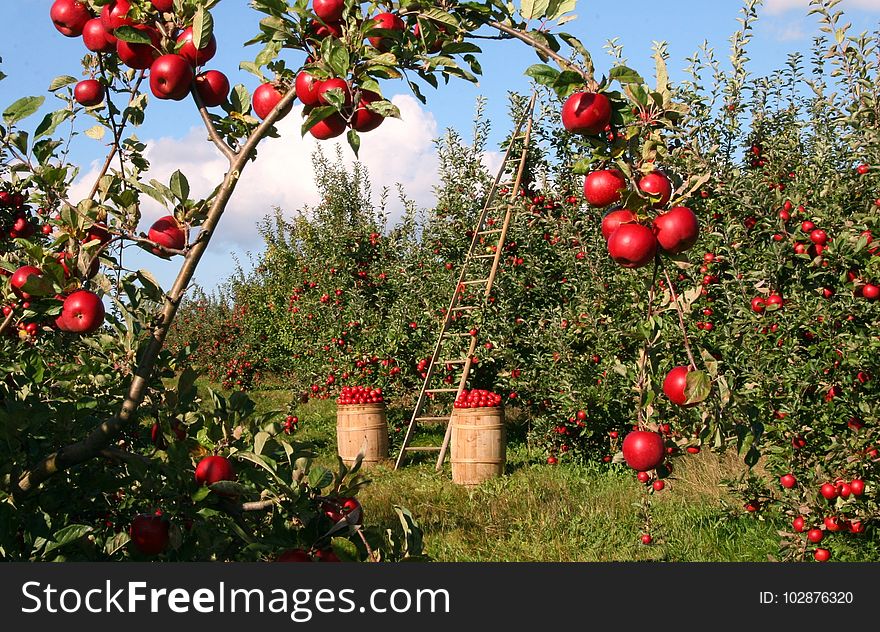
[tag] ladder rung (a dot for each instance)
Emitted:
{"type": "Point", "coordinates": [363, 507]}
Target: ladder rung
{"type": "Point", "coordinates": [462, 361]}
{"type": "Point", "coordinates": [422, 448]}
{"type": "Point", "coordinates": [466, 308]}
{"type": "Point", "coordinates": [433, 418]}
{"type": "Point", "coordinates": [476, 281]}
{"type": "Point", "coordinates": [492, 256]}
{"type": "Point", "coordinates": [442, 390]}
{"type": "Point", "coordinates": [457, 335]}
{"type": "Point", "coordinates": [491, 231]}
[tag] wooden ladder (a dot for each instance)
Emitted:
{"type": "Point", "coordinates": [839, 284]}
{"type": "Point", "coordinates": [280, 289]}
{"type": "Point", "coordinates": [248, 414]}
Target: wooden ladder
{"type": "Point", "coordinates": [503, 197]}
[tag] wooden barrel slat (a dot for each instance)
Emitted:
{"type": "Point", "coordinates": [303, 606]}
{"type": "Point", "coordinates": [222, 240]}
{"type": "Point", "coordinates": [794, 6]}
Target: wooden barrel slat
{"type": "Point", "coordinates": [360, 423]}
{"type": "Point", "coordinates": [478, 445]}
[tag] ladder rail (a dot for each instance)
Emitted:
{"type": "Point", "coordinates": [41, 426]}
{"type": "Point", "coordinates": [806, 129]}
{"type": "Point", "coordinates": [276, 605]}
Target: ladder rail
{"type": "Point", "coordinates": [490, 204]}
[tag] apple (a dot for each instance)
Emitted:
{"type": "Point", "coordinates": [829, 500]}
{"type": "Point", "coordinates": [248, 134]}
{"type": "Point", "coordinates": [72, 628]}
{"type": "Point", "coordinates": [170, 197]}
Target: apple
{"type": "Point", "coordinates": [364, 119]}
{"type": "Point", "coordinates": [330, 127]}
{"type": "Point", "coordinates": [139, 56]}
{"type": "Point", "coordinates": [190, 53]}
{"type": "Point", "coordinates": [115, 14]}
{"type": "Point", "coordinates": [643, 477]}
{"type": "Point", "coordinates": [69, 17]}
{"type": "Point", "coordinates": [89, 92]}
{"type": "Point", "coordinates": [614, 219]}
{"type": "Point", "coordinates": [799, 524]}
{"type": "Point", "coordinates": [434, 45]}
{"type": "Point", "coordinates": [163, 5]}
{"type": "Point", "coordinates": [603, 188]}
{"type": "Point", "coordinates": [97, 232]}
{"type": "Point", "coordinates": [656, 184]}
{"type": "Point", "coordinates": [758, 305]}
{"type": "Point", "coordinates": [20, 277]}
{"type": "Point", "coordinates": [857, 486]}
{"type": "Point", "coordinates": [329, 10]}
{"type": "Point", "coordinates": [265, 98]}
{"type": "Point", "coordinates": [390, 22]}
{"type": "Point", "coordinates": [171, 77]}
{"type": "Point", "coordinates": [212, 469]}
{"type": "Point", "coordinates": [213, 88]}
{"type": "Point", "coordinates": [149, 534]}
{"type": "Point", "coordinates": [863, 169]}
{"type": "Point", "coordinates": [167, 231]}
{"type": "Point", "coordinates": [82, 313]}
{"type": "Point", "coordinates": [659, 486]}
{"type": "Point", "coordinates": [787, 481]}
{"type": "Point", "coordinates": [643, 450]}
{"type": "Point", "coordinates": [815, 535]}
{"type": "Point", "coordinates": [586, 113]}
{"type": "Point", "coordinates": [647, 539]}
{"type": "Point", "coordinates": [822, 555]}
{"type": "Point", "coordinates": [322, 31]}
{"type": "Point", "coordinates": [632, 245]}
{"type": "Point", "coordinates": [675, 385]}
{"type": "Point", "coordinates": [334, 84]}
{"type": "Point", "coordinates": [677, 230]}
{"type": "Point", "coordinates": [819, 237]}
{"type": "Point", "coordinates": [306, 86]}
{"type": "Point", "coordinates": [326, 555]}
{"type": "Point", "coordinates": [829, 491]}
{"type": "Point", "coordinates": [870, 291]}
{"type": "Point", "coordinates": [98, 39]}
{"type": "Point", "coordinates": [294, 555]}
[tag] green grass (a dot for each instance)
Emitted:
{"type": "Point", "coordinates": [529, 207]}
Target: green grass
{"type": "Point", "coordinates": [557, 513]}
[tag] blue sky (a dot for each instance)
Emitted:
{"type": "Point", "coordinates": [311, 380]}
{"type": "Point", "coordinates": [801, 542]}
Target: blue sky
{"type": "Point", "coordinates": [33, 53]}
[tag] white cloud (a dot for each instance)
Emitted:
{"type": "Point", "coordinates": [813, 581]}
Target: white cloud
{"type": "Point", "coordinates": [781, 6]}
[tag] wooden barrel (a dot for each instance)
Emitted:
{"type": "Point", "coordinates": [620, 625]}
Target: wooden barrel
{"type": "Point", "coordinates": [362, 426]}
{"type": "Point", "coordinates": [478, 447]}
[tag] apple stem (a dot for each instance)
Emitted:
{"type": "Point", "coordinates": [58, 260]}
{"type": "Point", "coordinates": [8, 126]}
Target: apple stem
{"type": "Point", "coordinates": [674, 296]}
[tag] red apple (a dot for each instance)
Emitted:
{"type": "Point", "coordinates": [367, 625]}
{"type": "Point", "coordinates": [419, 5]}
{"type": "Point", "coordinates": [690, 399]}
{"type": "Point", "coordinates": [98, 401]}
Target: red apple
{"type": "Point", "coordinates": [632, 245]}
{"type": "Point", "coordinates": [307, 88]}
{"type": "Point", "coordinates": [69, 17]}
{"type": "Point", "coordinates": [364, 119]}
{"type": "Point", "coordinates": [163, 5]}
{"type": "Point", "coordinates": [212, 469]}
{"type": "Point", "coordinates": [870, 291]}
{"type": "Point", "coordinates": [612, 220]}
{"type": "Point", "coordinates": [20, 277]}
{"type": "Point", "coordinates": [330, 127]}
{"type": "Point", "coordinates": [822, 555]}
{"type": "Point", "coordinates": [758, 305]}
{"type": "Point", "coordinates": [675, 385]}
{"type": "Point", "coordinates": [329, 10]}
{"type": "Point", "coordinates": [149, 534]}
{"type": "Point", "coordinates": [643, 450]}
{"type": "Point", "coordinates": [82, 313]}
{"type": "Point", "coordinates": [266, 97]}
{"type": "Point", "coordinates": [334, 84]}
{"type": "Point", "coordinates": [677, 230]}
{"type": "Point", "coordinates": [294, 555]}
{"type": "Point", "coordinates": [115, 14]}
{"type": "Point", "coordinates": [603, 188]}
{"type": "Point", "coordinates": [190, 53]}
{"type": "Point", "coordinates": [788, 481]}
{"type": "Point", "coordinates": [586, 113]}
{"type": "Point", "coordinates": [390, 22]}
{"type": "Point", "coordinates": [656, 184]}
{"type": "Point", "coordinates": [139, 56]}
{"type": "Point", "coordinates": [829, 491]}
{"type": "Point", "coordinates": [89, 92]}
{"type": "Point", "coordinates": [213, 88]}
{"type": "Point", "coordinates": [799, 524]}
{"type": "Point", "coordinates": [815, 535]}
{"type": "Point", "coordinates": [857, 486]}
{"type": "Point", "coordinates": [322, 31]}
{"type": "Point", "coordinates": [167, 231]}
{"type": "Point", "coordinates": [171, 77]}
{"type": "Point", "coordinates": [97, 38]}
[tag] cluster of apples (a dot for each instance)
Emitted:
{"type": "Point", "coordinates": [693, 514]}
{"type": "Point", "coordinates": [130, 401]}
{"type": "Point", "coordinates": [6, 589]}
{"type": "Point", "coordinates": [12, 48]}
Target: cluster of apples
{"type": "Point", "coordinates": [477, 398]}
{"type": "Point", "coordinates": [171, 57]}
{"type": "Point", "coordinates": [630, 243]}
{"type": "Point", "coordinates": [832, 523]}
{"type": "Point", "coordinates": [82, 311]}
{"type": "Point", "coordinates": [16, 221]}
{"type": "Point", "coordinates": [354, 395]}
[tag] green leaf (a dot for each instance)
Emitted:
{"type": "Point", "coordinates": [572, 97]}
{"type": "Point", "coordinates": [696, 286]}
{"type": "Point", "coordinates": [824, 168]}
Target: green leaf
{"type": "Point", "coordinates": [625, 75]}
{"type": "Point", "coordinates": [317, 115]}
{"type": "Point", "coordinates": [320, 477]}
{"type": "Point", "coordinates": [179, 186]}
{"type": "Point", "coordinates": [534, 9]}
{"type": "Point", "coordinates": [203, 28]}
{"type": "Point", "coordinates": [698, 387]}
{"type": "Point", "coordinates": [96, 132]}
{"type": "Point", "coordinates": [200, 494]}
{"type": "Point", "coordinates": [151, 286]}
{"type": "Point", "coordinates": [240, 99]}
{"type": "Point", "coordinates": [60, 82]}
{"type": "Point", "coordinates": [260, 442]}
{"type": "Point", "coordinates": [132, 35]}
{"type": "Point", "coordinates": [68, 534]}
{"type": "Point", "coordinates": [438, 15]}
{"type": "Point", "coordinates": [51, 122]}
{"type": "Point", "coordinates": [354, 141]}
{"type": "Point", "coordinates": [345, 549]}
{"type": "Point", "coordinates": [116, 543]}
{"type": "Point", "coordinates": [558, 8]}
{"type": "Point", "coordinates": [543, 74]}
{"type": "Point", "coordinates": [22, 109]}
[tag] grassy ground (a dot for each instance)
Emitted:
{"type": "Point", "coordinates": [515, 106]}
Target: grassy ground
{"type": "Point", "coordinates": [553, 513]}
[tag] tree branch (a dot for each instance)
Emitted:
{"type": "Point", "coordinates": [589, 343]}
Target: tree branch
{"type": "Point", "coordinates": [101, 436]}
{"type": "Point", "coordinates": [213, 135]}
{"type": "Point", "coordinates": [7, 322]}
